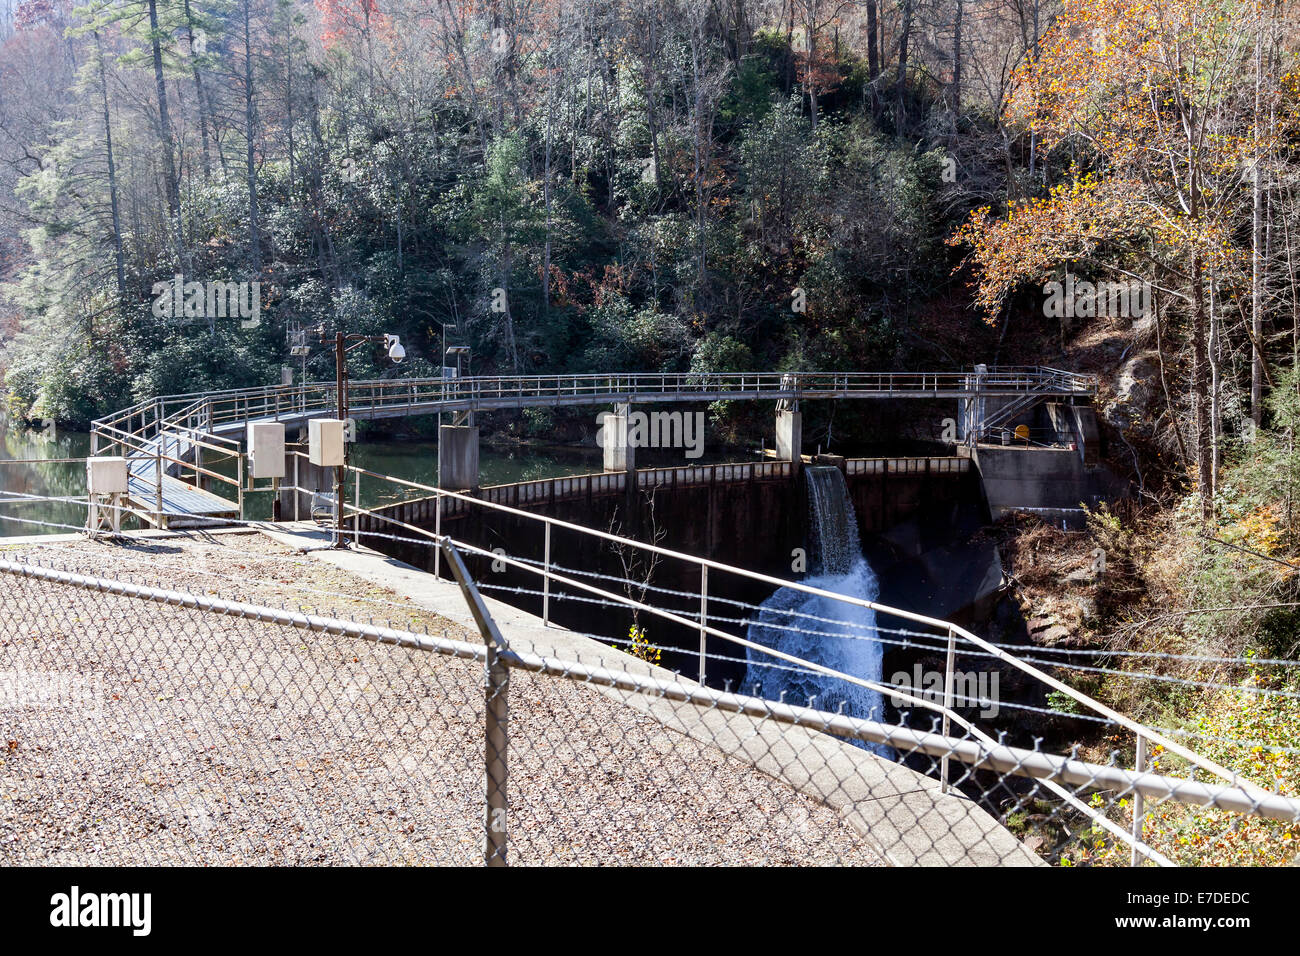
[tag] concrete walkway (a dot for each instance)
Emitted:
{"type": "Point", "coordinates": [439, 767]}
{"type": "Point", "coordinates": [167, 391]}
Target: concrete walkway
{"type": "Point", "coordinates": [900, 812]}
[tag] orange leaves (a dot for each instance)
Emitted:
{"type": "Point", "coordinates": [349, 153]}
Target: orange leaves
{"type": "Point", "coordinates": [1148, 95]}
{"type": "Point", "coordinates": [1131, 76]}
{"type": "Point", "coordinates": [1041, 232]}
{"type": "Point", "coordinates": [1260, 530]}
{"type": "Point", "coordinates": [342, 17]}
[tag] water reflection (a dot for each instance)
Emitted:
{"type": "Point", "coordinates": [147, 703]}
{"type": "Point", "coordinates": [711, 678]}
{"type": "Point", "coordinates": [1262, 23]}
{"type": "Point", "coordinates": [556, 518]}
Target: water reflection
{"type": "Point", "coordinates": [19, 476]}
{"type": "Point", "coordinates": [413, 461]}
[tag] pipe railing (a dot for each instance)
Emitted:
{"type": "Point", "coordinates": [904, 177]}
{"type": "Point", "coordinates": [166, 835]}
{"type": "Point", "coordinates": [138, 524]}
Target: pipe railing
{"type": "Point", "coordinates": [207, 413]}
{"type": "Point", "coordinates": [1150, 735]}
{"type": "Point", "coordinates": [1131, 837]}
{"type": "Point", "coordinates": [276, 401]}
{"type": "Point", "coordinates": [1252, 794]}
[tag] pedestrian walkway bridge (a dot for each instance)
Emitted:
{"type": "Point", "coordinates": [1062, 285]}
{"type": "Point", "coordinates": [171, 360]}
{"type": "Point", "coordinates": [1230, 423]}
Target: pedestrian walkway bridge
{"type": "Point", "coordinates": [165, 437]}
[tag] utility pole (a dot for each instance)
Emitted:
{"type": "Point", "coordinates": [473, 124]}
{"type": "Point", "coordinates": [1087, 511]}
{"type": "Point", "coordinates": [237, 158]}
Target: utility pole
{"type": "Point", "coordinates": [341, 348]}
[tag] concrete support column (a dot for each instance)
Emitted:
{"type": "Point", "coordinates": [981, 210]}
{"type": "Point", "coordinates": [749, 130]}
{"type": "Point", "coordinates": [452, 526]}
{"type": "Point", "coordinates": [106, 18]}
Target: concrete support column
{"type": "Point", "coordinates": [620, 455]}
{"type": "Point", "coordinates": [458, 457]}
{"type": "Point", "coordinates": [789, 434]}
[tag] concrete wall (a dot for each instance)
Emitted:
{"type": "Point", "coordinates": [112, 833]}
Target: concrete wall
{"type": "Point", "coordinates": [1041, 478]}
{"type": "Point", "coordinates": [755, 523]}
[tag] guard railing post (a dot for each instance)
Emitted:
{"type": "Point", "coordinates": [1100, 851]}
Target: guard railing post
{"type": "Point", "coordinates": [947, 705]}
{"type": "Point", "coordinates": [1139, 764]}
{"type": "Point", "coordinates": [158, 486]}
{"type": "Point", "coordinates": [704, 616]}
{"type": "Point", "coordinates": [356, 518]}
{"type": "Point", "coordinates": [546, 577]}
{"type": "Point", "coordinates": [437, 530]}
{"type": "Point", "coordinates": [496, 695]}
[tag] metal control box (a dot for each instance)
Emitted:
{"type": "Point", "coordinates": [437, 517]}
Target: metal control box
{"type": "Point", "coordinates": [266, 449]}
{"type": "Point", "coordinates": [325, 442]}
{"type": "Point", "coordinates": [106, 476]}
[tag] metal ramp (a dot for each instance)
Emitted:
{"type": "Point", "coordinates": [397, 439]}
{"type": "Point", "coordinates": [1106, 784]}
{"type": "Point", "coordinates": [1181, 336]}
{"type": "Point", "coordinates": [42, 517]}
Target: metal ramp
{"type": "Point", "coordinates": [159, 452]}
{"type": "Point", "coordinates": [183, 505]}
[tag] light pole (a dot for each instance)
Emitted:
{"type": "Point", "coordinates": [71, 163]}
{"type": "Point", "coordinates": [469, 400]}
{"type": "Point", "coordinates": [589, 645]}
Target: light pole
{"type": "Point", "coordinates": [458, 351]}
{"type": "Point", "coordinates": [341, 349]}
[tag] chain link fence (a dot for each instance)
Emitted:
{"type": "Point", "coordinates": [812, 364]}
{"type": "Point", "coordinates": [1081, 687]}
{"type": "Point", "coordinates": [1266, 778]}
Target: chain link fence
{"type": "Point", "coordinates": [140, 725]}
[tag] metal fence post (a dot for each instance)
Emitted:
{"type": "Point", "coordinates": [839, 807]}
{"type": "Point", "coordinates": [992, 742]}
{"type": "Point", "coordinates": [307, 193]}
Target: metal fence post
{"type": "Point", "coordinates": [496, 690]}
{"type": "Point", "coordinates": [947, 705]}
{"type": "Point", "coordinates": [297, 489]}
{"type": "Point", "coordinates": [437, 530]}
{"type": "Point", "coordinates": [1140, 765]}
{"type": "Point", "coordinates": [704, 616]}
{"type": "Point", "coordinates": [546, 577]}
{"type": "Point", "coordinates": [158, 486]}
{"type": "Point", "coordinates": [356, 518]}
{"type": "Point", "coordinates": [496, 697]}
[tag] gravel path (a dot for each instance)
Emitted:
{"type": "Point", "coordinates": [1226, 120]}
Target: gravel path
{"type": "Point", "coordinates": [132, 732]}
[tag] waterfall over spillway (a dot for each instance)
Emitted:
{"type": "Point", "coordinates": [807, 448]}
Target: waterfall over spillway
{"type": "Point", "coordinates": [786, 617]}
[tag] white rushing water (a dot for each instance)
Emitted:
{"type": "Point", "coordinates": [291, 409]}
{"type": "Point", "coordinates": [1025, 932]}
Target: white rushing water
{"type": "Point", "coordinates": [838, 566]}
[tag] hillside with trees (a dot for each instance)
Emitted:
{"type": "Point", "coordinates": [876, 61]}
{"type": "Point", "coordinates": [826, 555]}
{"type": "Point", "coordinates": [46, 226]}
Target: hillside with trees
{"type": "Point", "coordinates": [714, 185]}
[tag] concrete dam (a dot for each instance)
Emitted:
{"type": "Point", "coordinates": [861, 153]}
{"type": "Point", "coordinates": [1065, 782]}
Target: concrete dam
{"type": "Point", "coordinates": [915, 518]}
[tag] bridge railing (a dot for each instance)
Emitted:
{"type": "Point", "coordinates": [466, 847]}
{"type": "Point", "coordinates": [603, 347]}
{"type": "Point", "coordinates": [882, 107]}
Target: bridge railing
{"type": "Point", "coordinates": [236, 406]}
{"type": "Point", "coordinates": [199, 418]}
{"type": "Point", "coordinates": [943, 636]}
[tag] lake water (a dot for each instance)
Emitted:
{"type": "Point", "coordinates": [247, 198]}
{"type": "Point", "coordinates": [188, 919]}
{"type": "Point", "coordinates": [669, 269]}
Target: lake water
{"type": "Point", "coordinates": [413, 461]}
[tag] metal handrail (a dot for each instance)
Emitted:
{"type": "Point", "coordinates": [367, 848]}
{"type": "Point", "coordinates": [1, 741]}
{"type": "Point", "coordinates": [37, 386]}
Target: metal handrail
{"type": "Point", "coordinates": [147, 454]}
{"type": "Point", "coordinates": [1148, 734]}
{"type": "Point", "coordinates": [1140, 850]}
{"type": "Point", "coordinates": [977, 755]}
{"type": "Point", "coordinates": [276, 399]}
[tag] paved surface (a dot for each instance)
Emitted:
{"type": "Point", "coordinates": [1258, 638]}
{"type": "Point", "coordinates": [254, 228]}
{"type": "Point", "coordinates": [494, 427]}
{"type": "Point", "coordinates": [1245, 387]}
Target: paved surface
{"type": "Point", "coordinates": [227, 740]}
{"type": "Point", "coordinates": [901, 812]}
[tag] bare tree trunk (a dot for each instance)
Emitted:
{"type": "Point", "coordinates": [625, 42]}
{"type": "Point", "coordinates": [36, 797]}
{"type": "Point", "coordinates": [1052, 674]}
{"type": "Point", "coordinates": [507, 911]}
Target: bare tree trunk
{"type": "Point", "coordinates": [810, 69]}
{"type": "Point", "coordinates": [900, 82]}
{"type": "Point", "coordinates": [956, 64]}
{"type": "Point", "coordinates": [698, 124]}
{"type": "Point", "coordinates": [1201, 391]}
{"type": "Point", "coordinates": [250, 125]}
{"type": "Point", "coordinates": [1256, 242]}
{"type": "Point", "coordinates": [288, 102]}
{"type": "Point", "coordinates": [1216, 380]}
{"type": "Point", "coordinates": [170, 183]}
{"type": "Point", "coordinates": [546, 196]}
{"type": "Point", "coordinates": [652, 112]}
{"type": "Point", "coordinates": [873, 53]}
{"type": "Point", "coordinates": [112, 172]}
{"type": "Point", "coordinates": [198, 88]}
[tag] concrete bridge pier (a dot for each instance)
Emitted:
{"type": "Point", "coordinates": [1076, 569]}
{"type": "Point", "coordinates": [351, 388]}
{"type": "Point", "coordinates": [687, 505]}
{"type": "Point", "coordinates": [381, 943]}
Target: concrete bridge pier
{"type": "Point", "coordinates": [458, 457]}
{"type": "Point", "coordinates": [789, 434]}
{"type": "Point", "coordinates": [619, 453]}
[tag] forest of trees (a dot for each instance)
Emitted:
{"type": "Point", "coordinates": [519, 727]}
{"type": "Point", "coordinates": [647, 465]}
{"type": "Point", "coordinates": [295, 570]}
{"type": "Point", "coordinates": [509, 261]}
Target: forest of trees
{"type": "Point", "coordinates": [724, 185]}
{"type": "Point", "coordinates": [649, 184]}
